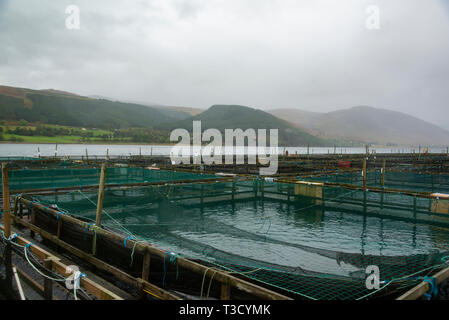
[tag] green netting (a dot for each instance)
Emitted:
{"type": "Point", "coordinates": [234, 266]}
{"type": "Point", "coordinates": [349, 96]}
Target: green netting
{"type": "Point", "coordinates": [20, 159]}
{"type": "Point", "coordinates": [314, 246]}
{"type": "Point", "coordinates": [419, 182]}
{"type": "Point", "coordinates": [416, 181]}
{"type": "Point", "coordinates": [29, 179]}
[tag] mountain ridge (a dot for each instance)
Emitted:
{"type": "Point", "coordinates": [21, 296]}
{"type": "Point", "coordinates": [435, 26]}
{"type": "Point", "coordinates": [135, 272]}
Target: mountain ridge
{"type": "Point", "coordinates": [351, 126]}
{"type": "Point", "coordinates": [223, 117]}
{"type": "Point", "coordinates": [367, 124]}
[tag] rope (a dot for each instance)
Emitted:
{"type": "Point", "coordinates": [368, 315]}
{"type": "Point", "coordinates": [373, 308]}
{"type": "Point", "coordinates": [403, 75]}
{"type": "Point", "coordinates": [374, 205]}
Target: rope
{"type": "Point", "coordinates": [153, 294]}
{"type": "Point", "coordinates": [210, 283]}
{"type": "Point", "coordinates": [406, 277]}
{"type": "Point", "coordinates": [87, 229]}
{"type": "Point", "coordinates": [11, 238]}
{"type": "Point", "coordinates": [110, 217]}
{"type": "Point", "coordinates": [59, 213]}
{"type": "Point", "coordinates": [212, 277]}
{"type": "Point", "coordinates": [172, 259]}
{"type": "Point", "coordinates": [78, 275]}
{"type": "Point", "coordinates": [202, 284]}
{"type": "Point", "coordinates": [32, 265]}
{"type": "Point", "coordinates": [124, 241]}
{"type": "Point", "coordinates": [433, 290]}
{"type": "Point", "coordinates": [132, 252]}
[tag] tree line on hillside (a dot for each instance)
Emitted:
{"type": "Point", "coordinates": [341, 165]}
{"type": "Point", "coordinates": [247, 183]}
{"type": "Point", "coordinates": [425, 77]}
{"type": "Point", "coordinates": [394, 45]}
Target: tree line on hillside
{"type": "Point", "coordinates": [80, 112]}
{"type": "Point", "coordinates": [118, 135]}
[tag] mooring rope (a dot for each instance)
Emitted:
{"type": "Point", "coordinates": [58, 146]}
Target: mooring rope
{"type": "Point", "coordinates": [172, 257]}
{"type": "Point", "coordinates": [34, 267]}
{"type": "Point", "coordinates": [134, 247]}
{"type": "Point", "coordinates": [27, 255]}
{"type": "Point", "coordinates": [110, 217]}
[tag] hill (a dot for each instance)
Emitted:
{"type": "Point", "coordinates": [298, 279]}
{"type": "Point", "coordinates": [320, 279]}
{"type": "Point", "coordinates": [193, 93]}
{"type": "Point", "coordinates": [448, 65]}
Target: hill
{"type": "Point", "coordinates": [234, 116]}
{"type": "Point", "coordinates": [187, 110]}
{"type": "Point", "coordinates": [176, 112]}
{"type": "Point", "coordinates": [369, 125]}
{"type": "Point", "coordinates": [62, 108]}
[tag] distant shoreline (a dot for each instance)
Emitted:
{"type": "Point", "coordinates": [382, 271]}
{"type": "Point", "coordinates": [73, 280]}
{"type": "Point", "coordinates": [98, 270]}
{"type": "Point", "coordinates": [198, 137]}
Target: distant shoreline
{"type": "Point", "coordinates": [173, 144]}
{"type": "Point", "coordinates": [93, 144]}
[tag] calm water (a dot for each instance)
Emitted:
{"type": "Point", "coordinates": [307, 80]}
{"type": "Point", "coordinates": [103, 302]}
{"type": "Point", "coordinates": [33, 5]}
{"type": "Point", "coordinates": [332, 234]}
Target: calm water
{"type": "Point", "coordinates": [34, 150]}
{"type": "Point", "coordinates": [271, 235]}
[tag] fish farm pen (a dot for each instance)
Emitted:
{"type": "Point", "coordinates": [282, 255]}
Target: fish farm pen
{"type": "Point", "coordinates": [139, 227]}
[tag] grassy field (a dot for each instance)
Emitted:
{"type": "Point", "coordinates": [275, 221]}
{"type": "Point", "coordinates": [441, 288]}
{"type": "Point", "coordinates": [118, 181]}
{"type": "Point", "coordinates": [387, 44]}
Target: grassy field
{"type": "Point", "coordinates": [96, 135]}
{"type": "Point", "coordinates": [67, 139]}
{"type": "Point", "coordinates": [41, 139]}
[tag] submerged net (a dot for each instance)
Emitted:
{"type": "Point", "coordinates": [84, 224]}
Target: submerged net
{"type": "Point", "coordinates": [315, 243]}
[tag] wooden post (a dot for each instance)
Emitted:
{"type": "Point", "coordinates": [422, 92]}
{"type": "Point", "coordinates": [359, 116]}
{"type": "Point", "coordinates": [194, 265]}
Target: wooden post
{"type": "Point", "coordinates": [48, 284]}
{"type": "Point", "coordinates": [100, 195]}
{"type": "Point", "coordinates": [145, 271]}
{"type": "Point", "coordinates": [99, 206]}
{"type": "Point", "coordinates": [6, 203]}
{"type": "Point", "coordinates": [32, 220]}
{"type": "Point", "coordinates": [16, 209]}
{"type": "Point", "coordinates": [58, 231]}
{"type": "Point", "coordinates": [364, 173]}
{"type": "Point", "coordinates": [225, 291]}
{"type": "Point", "coordinates": [146, 265]}
{"type": "Point", "coordinates": [7, 230]}
{"type": "Point", "coordinates": [382, 182]}
{"type": "Point", "coordinates": [20, 210]}
{"type": "Point", "coordinates": [87, 156]}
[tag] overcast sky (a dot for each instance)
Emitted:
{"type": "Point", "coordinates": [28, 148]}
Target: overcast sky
{"type": "Point", "coordinates": [315, 55]}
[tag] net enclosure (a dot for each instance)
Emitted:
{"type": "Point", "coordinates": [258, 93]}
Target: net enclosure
{"type": "Point", "coordinates": [303, 239]}
{"type": "Point", "coordinates": [34, 179]}
{"type": "Point", "coordinates": [406, 180]}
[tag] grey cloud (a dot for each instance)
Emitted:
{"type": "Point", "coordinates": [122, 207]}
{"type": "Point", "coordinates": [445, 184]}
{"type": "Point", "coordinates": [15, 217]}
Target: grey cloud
{"type": "Point", "coordinates": [315, 56]}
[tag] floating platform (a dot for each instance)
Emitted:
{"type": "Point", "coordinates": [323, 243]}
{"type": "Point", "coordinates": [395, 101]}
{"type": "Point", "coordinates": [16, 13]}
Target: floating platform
{"type": "Point", "coordinates": [306, 234]}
